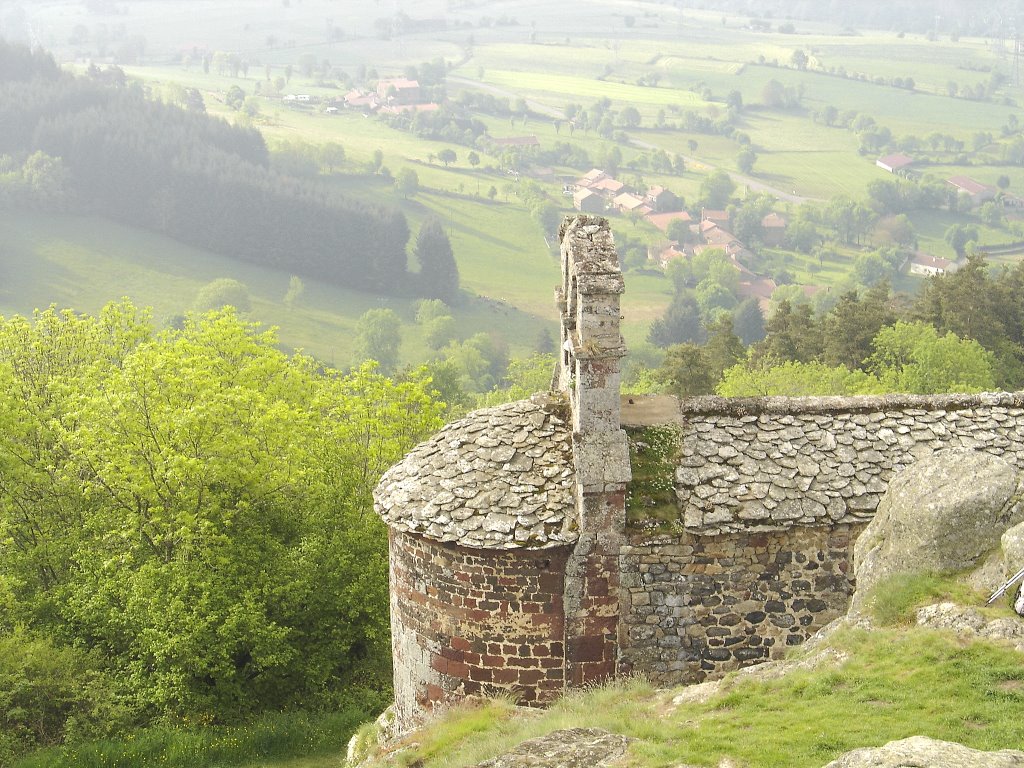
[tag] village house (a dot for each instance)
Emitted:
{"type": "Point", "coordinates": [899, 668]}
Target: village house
{"type": "Point", "coordinates": [585, 201]}
{"type": "Point", "coordinates": [399, 91]}
{"type": "Point", "coordinates": [628, 203]}
{"type": "Point", "coordinates": [970, 191]}
{"type": "Point", "coordinates": [662, 200]}
{"type": "Point", "coordinates": [663, 220]}
{"type": "Point", "coordinates": [773, 229]}
{"type": "Point", "coordinates": [894, 163]}
{"type": "Point", "coordinates": [719, 218]}
{"type": "Point", "coordinates": [927, 265]}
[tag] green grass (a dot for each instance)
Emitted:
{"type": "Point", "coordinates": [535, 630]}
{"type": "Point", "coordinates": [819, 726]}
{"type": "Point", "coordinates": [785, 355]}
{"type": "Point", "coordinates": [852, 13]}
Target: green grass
{"type": "Point", "coordinates": [892, 685]}
{"type": "Point", "coordinates": [84, 262]}
{"type": "Point", "coordinates": [289, 740]}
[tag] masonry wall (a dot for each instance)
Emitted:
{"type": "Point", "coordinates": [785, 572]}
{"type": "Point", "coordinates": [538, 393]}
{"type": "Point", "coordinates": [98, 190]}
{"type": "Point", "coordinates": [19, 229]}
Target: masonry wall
{"type": "Point", "coordinates": [756, 464]}
{"type": "Point", "coordinates": [468, 621]}
{"type": "Point", "coordinates": [770, 495]}
{"type": "Point", "coordinates": [696, 606]}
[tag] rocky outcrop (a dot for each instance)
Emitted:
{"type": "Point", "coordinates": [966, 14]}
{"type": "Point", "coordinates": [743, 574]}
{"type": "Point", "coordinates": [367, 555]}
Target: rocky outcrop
{"type": "Point", "coordinates": [501, 478]}
{"type": "Point", "coordinates": [572, 748]}
{"type": "Point", "coordinates": [922, 752]}
{"type": "Point", "coordinates": [970, 622]}
{"type": "Point", "coordinates": [942, 515]}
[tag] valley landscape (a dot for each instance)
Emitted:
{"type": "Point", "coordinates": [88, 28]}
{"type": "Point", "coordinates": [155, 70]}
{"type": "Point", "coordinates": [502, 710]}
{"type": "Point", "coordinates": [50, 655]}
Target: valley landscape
{"type": "Point", "coordinates": [805, 201]}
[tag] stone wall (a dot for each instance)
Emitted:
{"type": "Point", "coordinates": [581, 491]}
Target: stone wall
{"type": "Point", "coordinates": [468, 621]}
{"type": "Point", "coordinates": [755, 464]}
{"type": "Point", "coordinates": [695, 606]}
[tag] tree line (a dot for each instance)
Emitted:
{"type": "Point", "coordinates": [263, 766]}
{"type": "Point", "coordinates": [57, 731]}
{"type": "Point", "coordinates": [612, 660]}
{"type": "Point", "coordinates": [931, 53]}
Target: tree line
{"type": "Point", "coordinates": [963, 332]}
{"type": "Point", "coordinates": [190, 176]}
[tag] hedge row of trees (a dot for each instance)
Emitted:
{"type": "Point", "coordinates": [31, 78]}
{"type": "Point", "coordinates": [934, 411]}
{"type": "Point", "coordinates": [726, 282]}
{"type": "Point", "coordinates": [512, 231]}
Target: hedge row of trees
{"type": "Point", "coordinates": [192, 177]}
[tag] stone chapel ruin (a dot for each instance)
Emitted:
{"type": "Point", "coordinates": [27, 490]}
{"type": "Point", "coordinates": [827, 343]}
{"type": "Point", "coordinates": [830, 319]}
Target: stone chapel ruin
{"type": "Point", "coordinates": [527, 559]}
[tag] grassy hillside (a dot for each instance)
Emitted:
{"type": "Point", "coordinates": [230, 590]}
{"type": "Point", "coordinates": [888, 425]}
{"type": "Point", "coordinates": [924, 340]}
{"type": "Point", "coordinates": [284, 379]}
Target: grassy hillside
{"type": "Point", "coordinates": [878, 686]}
{"type": "Point", "coordinates": [84, 262]}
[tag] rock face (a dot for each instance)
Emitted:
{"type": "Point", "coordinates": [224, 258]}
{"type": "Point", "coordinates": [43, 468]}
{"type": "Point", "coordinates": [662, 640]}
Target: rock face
{"type": "Point", "coordinates": [940, 515]}
{"type": "Point", "coordinates": [921, 752]}
{"type": "Point", "coordinates": [970, 622]}
{"type": "Point", "coordinates": [572, 748]}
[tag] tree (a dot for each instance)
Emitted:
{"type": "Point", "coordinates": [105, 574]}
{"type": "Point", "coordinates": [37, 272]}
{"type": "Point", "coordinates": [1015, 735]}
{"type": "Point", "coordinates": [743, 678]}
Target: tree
{"type": "Point", "coordinates": [799, 59]}
{"type": "Point", "coordinates": [447, 156]}
{"type": "Point", "coordinates": [408, 182]}
{"type": "Point", "coordinates": [439, 274]}
{"type": "Point", "coordinates": [210, 493]}
{"type": "Point", "coordinates": [684, 371]}
{"type": "Point", "coordinates": [378, 337]}
{"type": "Point", "coordinates": [795, 379]}
{"type": "Point", "coordinates": [295, 289]}
{"type": "Point", "coordinates": [959, 235]}
{"type": "Point", "coordinates": [629, 117]}
{"type": "Point", "coordinates": [913, 357]}
{"type": "Point", "coordinates": [716, 189]}
{"type": "Point", "coordinates": [473, 159]}
{"type": "Point", "coordinates": [745, 160]}
{"type": "Point", "coordinates": [680, 323]}
{"type": "Point", "coordinates": [748, 321]}
{"type": "Point", "coordinates": [223, 292]}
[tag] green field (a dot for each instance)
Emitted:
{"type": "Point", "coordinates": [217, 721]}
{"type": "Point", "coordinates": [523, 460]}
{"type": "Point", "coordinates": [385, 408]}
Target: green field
{"type": "Point", "coordinates": [552, 55]}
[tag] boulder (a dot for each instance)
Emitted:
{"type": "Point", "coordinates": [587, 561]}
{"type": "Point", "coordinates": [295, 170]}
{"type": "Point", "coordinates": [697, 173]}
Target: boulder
{"type": "Point", "coordinates": [942, 514]}
{"type": "Point", "coordinates": [572, 748]}
{"type": "Point", "coordinates": [922, 751]}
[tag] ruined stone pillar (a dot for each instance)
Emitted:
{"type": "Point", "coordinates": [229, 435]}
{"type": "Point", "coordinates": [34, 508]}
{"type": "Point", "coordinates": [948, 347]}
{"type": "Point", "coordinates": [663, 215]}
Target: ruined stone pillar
{"type": "Point", "coordinates": [591, 348]}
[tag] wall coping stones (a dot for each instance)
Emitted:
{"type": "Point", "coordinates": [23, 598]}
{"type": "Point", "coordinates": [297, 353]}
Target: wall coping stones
{"type": "Point", "coordinates": [639, 410]}
{"type": "Point", "coordinates": [500, 478]}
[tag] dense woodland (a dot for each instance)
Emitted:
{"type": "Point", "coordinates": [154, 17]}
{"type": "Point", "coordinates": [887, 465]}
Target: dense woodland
{"type": "Point", "coordinates": [98, 145]}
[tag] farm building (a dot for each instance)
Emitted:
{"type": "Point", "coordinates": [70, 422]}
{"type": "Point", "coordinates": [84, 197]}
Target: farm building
{"type": "Point", "coordinates": [970, 190]}
{"type": "Point", "coordinates": [894, 163]}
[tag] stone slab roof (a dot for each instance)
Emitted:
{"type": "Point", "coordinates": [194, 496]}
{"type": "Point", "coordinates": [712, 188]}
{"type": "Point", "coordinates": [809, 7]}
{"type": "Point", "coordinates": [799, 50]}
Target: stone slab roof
{"type": "Point", "coordinates": [501, 478]}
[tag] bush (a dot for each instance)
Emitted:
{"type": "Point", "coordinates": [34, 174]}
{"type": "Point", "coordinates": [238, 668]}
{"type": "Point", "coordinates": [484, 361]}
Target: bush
{"type": "Point", "coordinates": [50, 694]}
{"type": "Point", "coordinates": [223, 292]}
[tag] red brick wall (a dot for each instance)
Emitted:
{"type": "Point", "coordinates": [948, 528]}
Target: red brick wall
{"type": "Point", "coordinates": [468, 621]}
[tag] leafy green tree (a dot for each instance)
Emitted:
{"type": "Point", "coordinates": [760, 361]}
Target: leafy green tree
{"type": "Point", "coordinates": [684, 371]}
{"type": "Point", "coordinates": [794, 379]}
{"type": "Point", "coordinates": [745, 160]}
{"type": "Point", "coordinates": [447, 156]}
{"type": "Point", "coordinates": [408, 182]}
{"type": "Point", "coordinates": [473, 159]}
{"type": "Point", "coordinates": [716, 189]}
{"type": "Point", "coordinates": [223, 292]}
{"type": "Point", "coordinates": [191, 506]}
{"type": "Point", "coordinates": [431, 309]}
{"type": "Point", "coordinates": [913, 357]}
{"type": "Point", "coordinates": [439, 274]}
{"type": "Point", "coordinates": [791, 334]}
{"type": "Point", "coordinates": [295, 290]}
{"type": "Point", "coordinates": [439, 331]}
{"type": "Point", "coordinates": [849, 329]}
{"type": "Point", "coordinates": [959, 235]}
{"type": "Point", "coordinates": [378, 337]}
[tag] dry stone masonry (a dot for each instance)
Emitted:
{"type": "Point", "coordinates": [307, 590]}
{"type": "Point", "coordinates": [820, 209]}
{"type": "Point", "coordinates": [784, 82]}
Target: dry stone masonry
{"type": "Point", "coordinates": [772, 463]}
{"type": "Point", "coordinates": [500, 478]}
{"type": "Point", "coordinates": [513, 569]}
